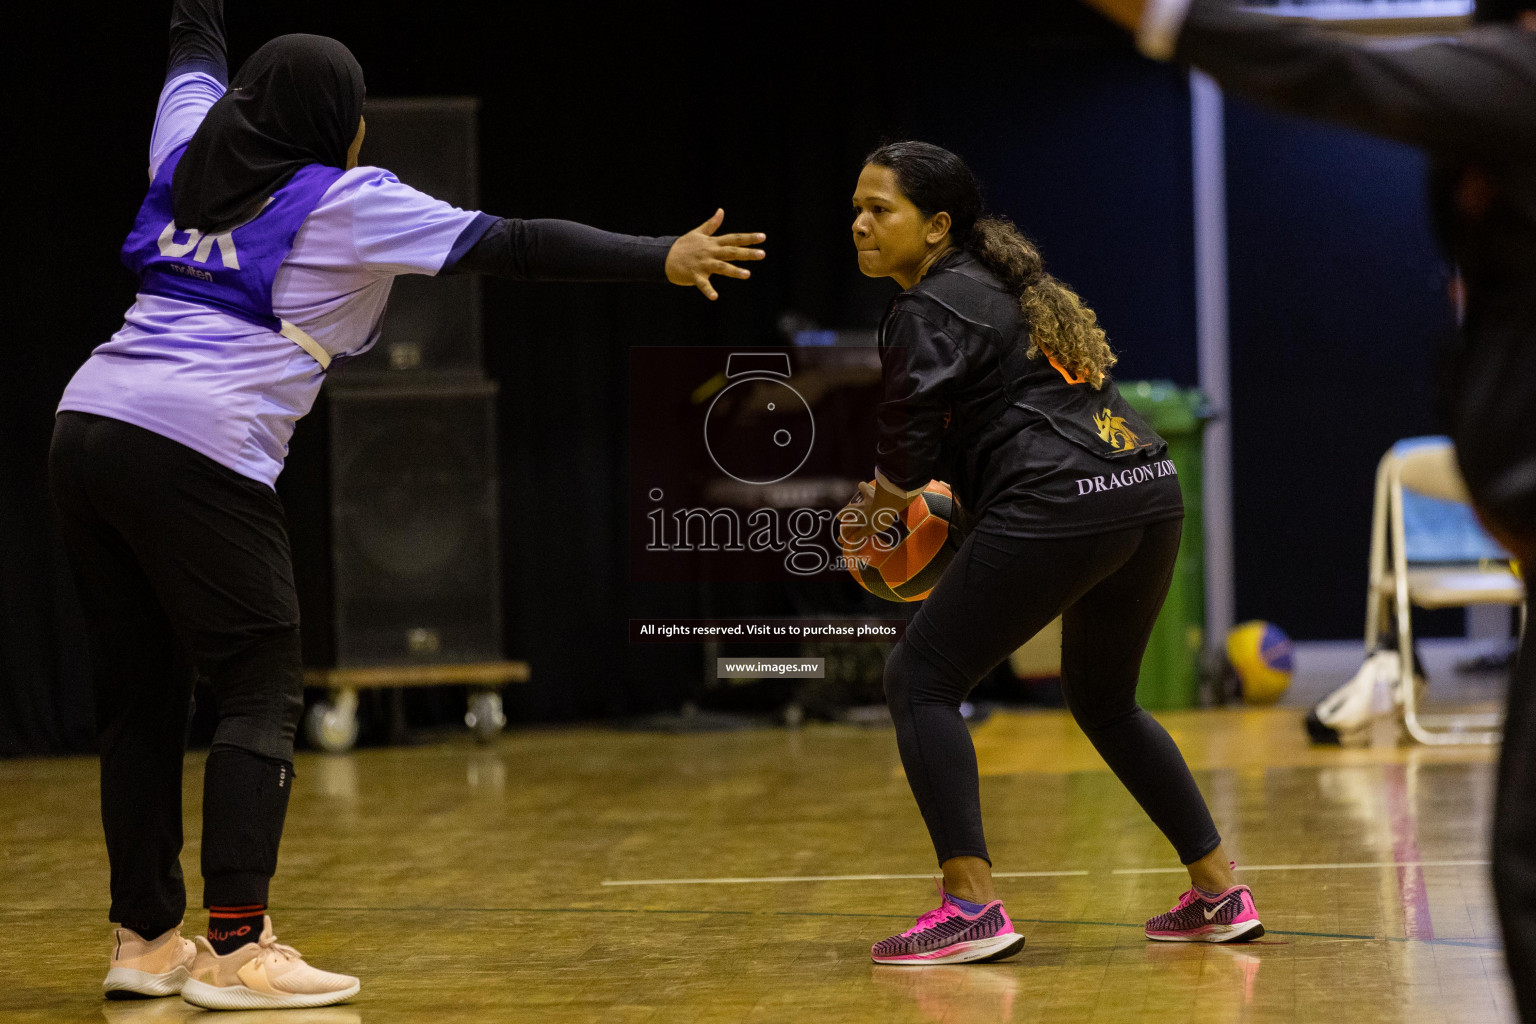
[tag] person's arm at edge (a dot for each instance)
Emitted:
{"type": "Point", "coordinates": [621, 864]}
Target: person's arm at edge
{"type": "Point", "coordinates": [1445, 96]}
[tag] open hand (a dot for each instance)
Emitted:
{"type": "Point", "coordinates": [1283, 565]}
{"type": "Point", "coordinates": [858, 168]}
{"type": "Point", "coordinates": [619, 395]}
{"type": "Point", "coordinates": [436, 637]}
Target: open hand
{"type": "Point", "coordinates": [701, 253]}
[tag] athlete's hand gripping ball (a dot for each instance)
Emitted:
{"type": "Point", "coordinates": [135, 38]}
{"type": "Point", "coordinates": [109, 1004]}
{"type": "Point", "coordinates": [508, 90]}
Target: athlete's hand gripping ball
{"type": "Point", "coordinates": [700, 253]}
{"type": "Point", "coordinates": [871, 511]}
{"type": "Point", "coordinates": [918, 539]}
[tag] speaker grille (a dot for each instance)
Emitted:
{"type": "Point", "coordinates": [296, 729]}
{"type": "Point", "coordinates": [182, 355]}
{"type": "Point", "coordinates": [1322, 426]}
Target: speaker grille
{"type": "Point", "coordinates": [414, 510]}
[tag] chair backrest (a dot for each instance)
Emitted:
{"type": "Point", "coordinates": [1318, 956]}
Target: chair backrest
{"type": "Point", "coordinates": [1431, 470]}
{"type": "Point", "coordinates": [1438, 522]}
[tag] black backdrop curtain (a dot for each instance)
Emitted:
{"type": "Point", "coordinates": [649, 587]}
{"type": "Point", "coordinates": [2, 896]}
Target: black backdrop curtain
{"type": "Point", "coordinates": [634, 120]}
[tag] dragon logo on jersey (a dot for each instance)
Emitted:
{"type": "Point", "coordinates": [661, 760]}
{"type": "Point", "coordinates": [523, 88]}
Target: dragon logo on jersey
{"type": "Point", "coordinates": [1113, 430]}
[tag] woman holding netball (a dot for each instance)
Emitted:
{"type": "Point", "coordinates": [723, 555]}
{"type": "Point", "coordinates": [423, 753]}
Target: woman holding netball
{"type": "Point", "coordinates": [996, 380]}
{"type": "Point", "coordinates": [264, 252]}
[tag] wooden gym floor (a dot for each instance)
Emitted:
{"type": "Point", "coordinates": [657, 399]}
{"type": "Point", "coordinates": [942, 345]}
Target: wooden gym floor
{"type": "Point", "coordinates": [536, 880]}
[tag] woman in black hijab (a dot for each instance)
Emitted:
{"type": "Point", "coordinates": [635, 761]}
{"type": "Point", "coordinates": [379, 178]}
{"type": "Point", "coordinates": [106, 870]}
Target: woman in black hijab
{"type": "Point", "coordinates": [259, 233]}
{"type": "Point", "coordinates": [296, 101]}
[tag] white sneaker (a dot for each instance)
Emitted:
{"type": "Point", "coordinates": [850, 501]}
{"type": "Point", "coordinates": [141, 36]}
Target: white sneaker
{"type": "Point", "coordinates": [1374, 693]}
{"type": "Point", "coordinates": [262, 975]}
{"type": "Point", "coordinates": [148, 967]}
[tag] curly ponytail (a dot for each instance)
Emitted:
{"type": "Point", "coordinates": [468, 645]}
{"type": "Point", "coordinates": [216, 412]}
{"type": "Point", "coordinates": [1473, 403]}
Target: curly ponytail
{"type": "Point", "coordinates": [1061, 327]}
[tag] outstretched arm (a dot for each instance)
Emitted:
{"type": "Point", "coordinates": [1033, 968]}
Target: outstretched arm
{"type": "Point", "coordinates": [562, 250]}
{"type": "Point", "coordinates": [196, 74]}
{"type": "Point", "coordinates": [197, 40]}
{"type": "Point", "coordinates": [1474, 96]}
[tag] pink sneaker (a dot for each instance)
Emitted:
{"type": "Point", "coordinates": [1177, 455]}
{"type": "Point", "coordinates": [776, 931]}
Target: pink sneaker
{"type": "Point", "coordinates": [949, 935]}
{"type": "Point", "coordinates": [147, 967]}
{"type": "Point", "coordinates": [1229, 917]}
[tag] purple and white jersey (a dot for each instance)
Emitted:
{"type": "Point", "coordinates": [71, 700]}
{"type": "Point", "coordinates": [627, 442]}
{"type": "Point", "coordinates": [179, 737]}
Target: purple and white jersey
{"type": "Point", "coordinates": [222, 384]}
{"type": "Point", "coordinates": [176, 264]}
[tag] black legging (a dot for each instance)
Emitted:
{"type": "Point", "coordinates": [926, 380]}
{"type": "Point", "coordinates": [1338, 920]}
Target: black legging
{"type": "Point", "coordinates": [999, 592]}
{"type": "Point", "coordinates": [182, 567]}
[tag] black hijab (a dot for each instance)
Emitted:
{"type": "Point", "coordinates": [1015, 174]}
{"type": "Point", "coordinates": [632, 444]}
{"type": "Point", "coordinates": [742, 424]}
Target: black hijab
{"type": "Point", "coordinates": [295, 101]}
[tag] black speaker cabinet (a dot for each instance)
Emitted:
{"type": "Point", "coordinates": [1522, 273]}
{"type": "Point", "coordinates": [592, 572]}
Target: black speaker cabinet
{"type": "Point", "coordinates": [415, 566]}
{"type": "Point", "coordinates": [430, 143]}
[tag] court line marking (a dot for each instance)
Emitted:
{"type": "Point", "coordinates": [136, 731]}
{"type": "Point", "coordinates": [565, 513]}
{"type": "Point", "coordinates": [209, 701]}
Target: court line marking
{"type": "Point", "coordinates": [775, 879]}
{"type": "Point", "coordinates": [1412, 892]}
{"type": "Point", "coordinates": [1342, 866]}
{"type": "Point", "coordinates": [828, 878]}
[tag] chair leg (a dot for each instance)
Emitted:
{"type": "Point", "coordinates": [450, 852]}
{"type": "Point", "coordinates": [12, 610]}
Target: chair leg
{"type": "Point", "coordinates": [1405, 678]}
{"type": "Point", "coordinates": [1438, 730]}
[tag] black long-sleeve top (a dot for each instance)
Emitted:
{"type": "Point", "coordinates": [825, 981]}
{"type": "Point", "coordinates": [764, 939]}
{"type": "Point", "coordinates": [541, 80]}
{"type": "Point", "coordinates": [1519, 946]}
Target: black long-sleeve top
{"type": "Point", "coordinates": [556, 250]}
{"type": "Point", "coordinates": [1471, 104]}
{"type": "Point", "coordinates": [1026, 452]}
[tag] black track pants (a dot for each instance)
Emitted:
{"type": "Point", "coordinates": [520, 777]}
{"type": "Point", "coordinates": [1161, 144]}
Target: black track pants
{"type": "Point", "coordinates": [999, 592]}
{"type": "Point", "coordinates": [183, 568]}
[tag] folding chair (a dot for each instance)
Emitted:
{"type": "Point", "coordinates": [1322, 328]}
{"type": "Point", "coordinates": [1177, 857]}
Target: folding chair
{"type": "Point", "coordinates": [1427, 549]}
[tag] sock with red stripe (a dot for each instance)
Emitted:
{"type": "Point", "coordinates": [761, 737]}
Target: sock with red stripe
{"type": "Point", "coordinates": [229, 928]}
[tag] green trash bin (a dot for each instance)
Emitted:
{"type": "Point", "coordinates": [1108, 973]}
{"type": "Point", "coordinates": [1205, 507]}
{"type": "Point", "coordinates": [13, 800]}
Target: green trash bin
{"type": "Point", "coordinates": [1170, 670]}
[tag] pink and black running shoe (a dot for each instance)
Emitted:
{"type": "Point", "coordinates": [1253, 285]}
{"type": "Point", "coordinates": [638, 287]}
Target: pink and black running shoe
{"type": "Point", "coordinates": [950, 935]}
{"type": "Point", "coordinates": [1228, 917]}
